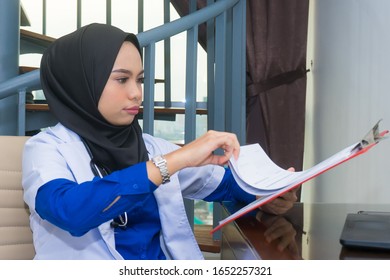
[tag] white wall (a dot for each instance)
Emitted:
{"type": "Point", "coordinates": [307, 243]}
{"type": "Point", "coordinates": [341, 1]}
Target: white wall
{"type": "Point", "coordinates": [348, 92]}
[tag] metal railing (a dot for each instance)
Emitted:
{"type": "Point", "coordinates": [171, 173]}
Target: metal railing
{"type": "Point", "coordinates": [226, 84]}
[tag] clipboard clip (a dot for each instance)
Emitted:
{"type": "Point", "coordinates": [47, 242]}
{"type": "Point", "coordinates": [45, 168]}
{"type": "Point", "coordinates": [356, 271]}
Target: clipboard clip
{"type": "Point", "coordinates": [371, 138]}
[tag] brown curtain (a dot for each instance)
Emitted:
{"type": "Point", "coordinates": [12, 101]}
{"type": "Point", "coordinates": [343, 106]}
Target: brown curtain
{"type": "Point", "coordinates": [276, 75]}
{"type": "Point", "coordinates": [276, 78]}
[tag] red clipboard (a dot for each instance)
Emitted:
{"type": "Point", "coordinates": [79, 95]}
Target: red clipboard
{"type": "Point", "coordinates": [372, 138]}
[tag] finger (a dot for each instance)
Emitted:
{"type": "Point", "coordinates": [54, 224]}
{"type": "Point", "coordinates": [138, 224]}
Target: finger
{"type": "Point", "coordinates": [271, 234]}
{"type": "Point", "coordinates": [283, 202]}
{"type": "Point", "coordinates": [276, 230]}
{"type": "Point", "coordinates": [294, 250]}
{"type": "Point", "coordinates": [290, 196]}
{"type": "Point", "coordinates": [284, 242]}
{"type": "Point", "coordinates": [217, 159]}
{"type": "Point", "coordinates": [232, 148]}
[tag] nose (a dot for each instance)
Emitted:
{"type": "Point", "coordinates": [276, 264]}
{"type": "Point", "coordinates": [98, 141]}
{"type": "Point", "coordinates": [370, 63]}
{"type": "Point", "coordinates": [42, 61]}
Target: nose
{"type": "Point", "coordinates": [135, 92]}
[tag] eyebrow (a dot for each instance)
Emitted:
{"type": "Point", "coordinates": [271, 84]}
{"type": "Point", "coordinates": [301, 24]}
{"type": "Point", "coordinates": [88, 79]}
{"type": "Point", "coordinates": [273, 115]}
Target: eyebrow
{"type": "Point", "coordinates": [125, 71]}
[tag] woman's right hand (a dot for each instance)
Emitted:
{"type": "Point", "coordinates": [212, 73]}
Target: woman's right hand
{"type": "Point", "coordinates": [201, 151]}
{"type": "Point", "coordinates": [198, 153]}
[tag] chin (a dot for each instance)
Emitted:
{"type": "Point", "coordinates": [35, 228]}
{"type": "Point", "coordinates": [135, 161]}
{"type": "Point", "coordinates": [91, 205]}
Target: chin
{"type": "Point", "coordinates": [123, 123]}
{"type": "Point", "coordinates": [128, 122]}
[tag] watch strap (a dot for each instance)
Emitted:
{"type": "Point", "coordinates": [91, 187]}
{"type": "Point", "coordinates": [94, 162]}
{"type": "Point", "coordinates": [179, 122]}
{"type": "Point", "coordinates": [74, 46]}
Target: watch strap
{"type": "Point", "coordinates": [161, 163]}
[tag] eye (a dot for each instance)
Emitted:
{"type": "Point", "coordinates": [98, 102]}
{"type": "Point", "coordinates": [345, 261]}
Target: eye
{"type": "Point", "coordinates": [140, 80]}
{"type": "Point", "coordinates": [122, 80]}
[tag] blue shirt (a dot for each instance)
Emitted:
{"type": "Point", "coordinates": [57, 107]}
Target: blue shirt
{"type": "Point", "coordinates": [77, 208]}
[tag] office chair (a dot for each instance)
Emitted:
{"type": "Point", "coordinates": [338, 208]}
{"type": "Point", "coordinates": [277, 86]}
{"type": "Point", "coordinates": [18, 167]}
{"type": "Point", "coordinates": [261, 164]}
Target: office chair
{"type": "Point", "coordinates": [15, 233]}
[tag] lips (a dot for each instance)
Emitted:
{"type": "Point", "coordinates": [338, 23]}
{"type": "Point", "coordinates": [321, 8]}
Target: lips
{"type": "Point", "coordinates": [132, 110]}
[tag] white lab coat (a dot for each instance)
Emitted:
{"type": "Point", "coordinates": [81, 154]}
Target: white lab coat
{"type": "Point", "coordinates": [59, 153]}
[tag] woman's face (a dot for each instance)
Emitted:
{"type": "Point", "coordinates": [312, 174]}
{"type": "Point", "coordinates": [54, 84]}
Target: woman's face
{"type": "Point", "coordinates": [122, 95]}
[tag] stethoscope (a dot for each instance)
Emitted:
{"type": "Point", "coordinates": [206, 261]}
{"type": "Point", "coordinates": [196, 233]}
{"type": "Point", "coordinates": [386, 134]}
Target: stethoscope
{"type": "Point", "coordinates": [120, 221]}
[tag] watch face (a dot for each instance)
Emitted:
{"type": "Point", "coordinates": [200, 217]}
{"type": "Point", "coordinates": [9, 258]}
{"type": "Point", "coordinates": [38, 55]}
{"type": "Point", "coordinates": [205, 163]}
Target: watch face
{"type": "Point", "coordinates": [158, 159]}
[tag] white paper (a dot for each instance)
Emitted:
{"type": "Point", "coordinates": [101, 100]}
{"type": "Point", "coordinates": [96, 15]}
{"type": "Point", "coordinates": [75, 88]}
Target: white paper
{"type": "Point", "coordinates": [257, 174]}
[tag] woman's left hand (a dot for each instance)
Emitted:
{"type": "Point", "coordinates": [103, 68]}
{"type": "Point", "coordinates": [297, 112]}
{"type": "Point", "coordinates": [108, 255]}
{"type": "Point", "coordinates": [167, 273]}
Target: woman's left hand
{"type": "Point", "coordinates": [282, 232]}
{"type": "Point", "coordinates": [283, 203]}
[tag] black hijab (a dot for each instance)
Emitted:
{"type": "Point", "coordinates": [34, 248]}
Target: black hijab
{"type": "Point", "coordinates": [74, 72]}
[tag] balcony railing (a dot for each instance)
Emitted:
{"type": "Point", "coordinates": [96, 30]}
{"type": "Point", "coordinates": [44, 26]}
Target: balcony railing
{"type": "Point", "coordinates": [225, 21]}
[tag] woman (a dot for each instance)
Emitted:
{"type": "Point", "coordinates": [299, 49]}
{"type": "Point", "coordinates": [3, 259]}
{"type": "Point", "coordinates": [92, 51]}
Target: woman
{"type": "Point", "coordinates": [96, 186]}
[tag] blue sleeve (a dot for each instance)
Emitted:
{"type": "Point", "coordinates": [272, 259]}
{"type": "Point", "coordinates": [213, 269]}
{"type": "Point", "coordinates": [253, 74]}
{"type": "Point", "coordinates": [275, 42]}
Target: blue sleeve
{"type": "Point", "coordinates": [78, 208]}
{"type": "Point", "coordinates": [229, 190]}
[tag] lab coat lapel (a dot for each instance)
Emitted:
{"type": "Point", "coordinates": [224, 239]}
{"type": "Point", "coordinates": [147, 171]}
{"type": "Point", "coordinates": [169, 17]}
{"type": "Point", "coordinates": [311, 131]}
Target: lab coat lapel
{"type": "Point", "coordinates": [78, 160]}
{"type": "Point", "coordinates": [178, 239]}
{"type": "Point", "coordinates": [176, 230]}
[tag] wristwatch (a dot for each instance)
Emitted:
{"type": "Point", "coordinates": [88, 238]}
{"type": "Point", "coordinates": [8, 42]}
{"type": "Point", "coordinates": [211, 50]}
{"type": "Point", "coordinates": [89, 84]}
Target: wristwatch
{"type": "Point", "coordinates": [161, 163]}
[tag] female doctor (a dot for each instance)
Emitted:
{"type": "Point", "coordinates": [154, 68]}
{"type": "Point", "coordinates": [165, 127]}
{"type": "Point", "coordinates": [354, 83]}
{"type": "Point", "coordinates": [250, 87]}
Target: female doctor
{"type": "Point", "coordinates": [97, 187]}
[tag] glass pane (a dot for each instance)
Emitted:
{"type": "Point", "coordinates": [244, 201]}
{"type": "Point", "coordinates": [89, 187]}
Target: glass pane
{"type": "Point", "coordinates": [153, 14]}
{"type": "Point", "coordinates": [203, 213]}
{"type": "Point", "coordinates": [124, 15]}
{"type": "Point", "coordinates": [33, 10]}
{"type": "Point", "coordinates": [201, 75]}
{"type": "Point", "coordinates": [30, 59]}
{"type": "Point", "coordinates": [93, 11]}
{"type": "Point", "coordinates": [61, 17]}
{"type": "Point", "coordinates": [174, 130]}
